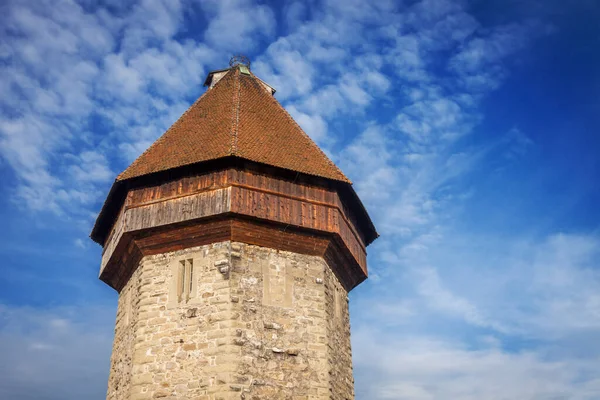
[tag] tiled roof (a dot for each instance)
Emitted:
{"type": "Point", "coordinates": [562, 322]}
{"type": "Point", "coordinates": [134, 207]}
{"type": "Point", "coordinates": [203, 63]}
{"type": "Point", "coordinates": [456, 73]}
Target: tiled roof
{"type": "Point", "coordinates": [237, 117]}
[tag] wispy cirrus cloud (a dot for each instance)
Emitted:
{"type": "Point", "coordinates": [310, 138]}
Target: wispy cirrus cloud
{"type": "Point", "coordinates": [533, 311]}
{"type": "Point", "coordinates": [425, 368]}
{"type": "Point", "coordinates": [47, 351]}
{"type": "Point", "coordinates": [121, 70]}
{"type": "Point", "coordinates": [411, 172]}
{"type": "Point", "coordinates": [237, 25]}
{"type": "Point", "coordinates": [395, 92]}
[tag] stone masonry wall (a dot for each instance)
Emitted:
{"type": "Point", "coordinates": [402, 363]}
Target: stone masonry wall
{"type": "Point", "coordinates": [338, 338]}
{"type": "Point", "coordinates": [232, 321]}
{"type": "Point", "coordinates": [122, 353]}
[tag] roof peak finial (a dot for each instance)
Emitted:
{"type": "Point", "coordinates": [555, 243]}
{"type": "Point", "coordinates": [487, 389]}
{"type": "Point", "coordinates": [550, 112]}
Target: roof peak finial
{"type": "Point", "coordinates": [239, 59]}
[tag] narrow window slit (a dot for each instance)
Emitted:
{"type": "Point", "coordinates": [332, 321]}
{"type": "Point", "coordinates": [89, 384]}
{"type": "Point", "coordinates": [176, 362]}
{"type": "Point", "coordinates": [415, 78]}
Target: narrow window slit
{"type": "Point", "coordinates": [185, 281]}
{"type": "Point", "coordinates": [191, 276]}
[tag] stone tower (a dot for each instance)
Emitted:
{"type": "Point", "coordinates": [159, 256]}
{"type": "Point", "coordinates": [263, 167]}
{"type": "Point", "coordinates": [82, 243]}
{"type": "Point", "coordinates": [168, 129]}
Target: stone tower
{"type": "Point", "coordinates": [233, 242]}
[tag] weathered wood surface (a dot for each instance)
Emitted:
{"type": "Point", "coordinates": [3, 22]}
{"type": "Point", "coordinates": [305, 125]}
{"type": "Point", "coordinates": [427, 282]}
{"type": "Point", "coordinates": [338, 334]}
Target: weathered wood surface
{"type": "Point", "coordinates": [245, 179]}
{"type": "Point", "coordinates": [293, 211]}
{"type": "Point", "coordinates": [278, 213]}
{"type": "Point", "coordinates": [171, 211]}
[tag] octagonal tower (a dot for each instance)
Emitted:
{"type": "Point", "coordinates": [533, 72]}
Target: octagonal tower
{"type": "Point", "coordinates": [233, 242]}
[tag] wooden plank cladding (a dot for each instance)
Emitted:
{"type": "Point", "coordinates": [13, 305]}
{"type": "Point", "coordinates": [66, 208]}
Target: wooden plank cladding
{"type": "Point", "coordinates": [179, 187]}
{"type": "Point", "coordinates": [241, 178]}
{"type": "Point", "coordinates": [294, 212]}
{"type": "Point", "coordinates": [178, 209]}
{"type": "Point", "coordinates": [262, 209]}
{"type": "Point", "coordinates": [171, 211]}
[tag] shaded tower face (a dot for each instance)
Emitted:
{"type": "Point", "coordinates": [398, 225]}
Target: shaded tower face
{"type": "Point", "coordinates": [233, 242]}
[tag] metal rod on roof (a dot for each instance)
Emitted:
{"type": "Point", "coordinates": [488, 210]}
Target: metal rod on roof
{"type": "Point", "coordinates": [239, 59]}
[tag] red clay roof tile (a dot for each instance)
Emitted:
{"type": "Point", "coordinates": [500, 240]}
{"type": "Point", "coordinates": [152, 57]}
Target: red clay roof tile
{"type": "Point", "coordinates": [236, 117]}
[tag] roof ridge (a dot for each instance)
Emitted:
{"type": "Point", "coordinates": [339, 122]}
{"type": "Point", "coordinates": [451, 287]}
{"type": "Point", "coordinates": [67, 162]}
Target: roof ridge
{"type": "Point", "coordinates": [235, 114]}
{"type": "Point", "coordinates": [162, 137]}
{"type": "Point", "coordinates": [287, 114]}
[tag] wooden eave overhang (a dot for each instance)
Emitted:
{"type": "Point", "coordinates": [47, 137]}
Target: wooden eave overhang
{"type": "Point", "coordinates": [119, 189]}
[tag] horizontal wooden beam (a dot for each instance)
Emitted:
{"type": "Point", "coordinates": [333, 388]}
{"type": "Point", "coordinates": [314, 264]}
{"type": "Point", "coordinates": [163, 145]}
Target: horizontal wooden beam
{"type": "Point", "coordinates": [293, 216]}
{"type": "Point", "coordinates": [165, 239]}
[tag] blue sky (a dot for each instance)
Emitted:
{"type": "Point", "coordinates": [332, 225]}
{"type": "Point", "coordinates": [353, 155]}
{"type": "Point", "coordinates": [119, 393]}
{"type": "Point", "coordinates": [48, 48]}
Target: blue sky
{"type": "Point", "coordinates": [469, 128]}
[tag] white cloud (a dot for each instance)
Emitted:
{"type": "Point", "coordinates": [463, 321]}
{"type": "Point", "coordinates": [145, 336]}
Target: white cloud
{"type": "Point", "coordinates": [407, 59]}
{"type": "Point", "coordinates": [285, 69]}
{"type": "Point", "coordinates": [235, 25]}
{"type": "Point", "coordinates": [479, 62]}
{"type": "Point", "coordinates": [451, 310]}
{"type": "Point", "coordinates": [448, 285]}
{"type": "Point", "coordinates": [441, 299]}
{"type": "Point", "coordinates": [562, 285]}
{"type": "Point", "coordinates": [346, 83]}
{"type": "Point", "coordinates": [421, 175]}
{"type": "Point", "coordinates": [61, 71]}
{"type": "Point", "coordinates": [314, 125]}
{"type": "Point", "coordinates": [149, 24]}
{"type": "Point", "coordinates": [400, 366]}
{"type": "Point", "coordinates": [58, 353]}
{"type": "Point", "coordinates": [295, 13]}
{"type": "Point", "coordinates": [327, 101]}
{"type": "Point", "coordinates": [361, 11]}
{"type": "Point", "coordinates": [430, 120]}
{"type": "Point", "coordinates": [91, 166]}
{"type": "Point", "coordinates": [373, 153]}
{"type": "Point", "coordinates": [538, 298]}
{"type": "Point", "coordinates": [49, 73]}
{"type": "Point", "coordinates": [122, 78]}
